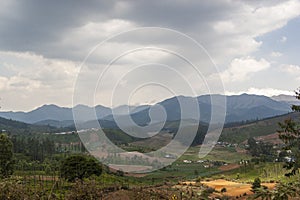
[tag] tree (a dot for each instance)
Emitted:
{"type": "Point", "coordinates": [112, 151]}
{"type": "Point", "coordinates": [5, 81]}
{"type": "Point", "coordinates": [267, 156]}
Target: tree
{"type": "Point", "coordinates": [252, 147]}
{"type": "Point", "coordinates": [282, 191]}
{"type": "Point", "coordinates": [290, 135]}
{"type": "Point", "coordinates": [256, 184]}
{"type": "Point", "coordinates": [261, 149]}
{"type": "Point", "coordinates": [79, 167]}
{"type": "Point", "coordinates": [6, 156]}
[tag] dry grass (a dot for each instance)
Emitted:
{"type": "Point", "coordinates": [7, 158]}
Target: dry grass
{"type": "Point", "coordinates": [233, 188]}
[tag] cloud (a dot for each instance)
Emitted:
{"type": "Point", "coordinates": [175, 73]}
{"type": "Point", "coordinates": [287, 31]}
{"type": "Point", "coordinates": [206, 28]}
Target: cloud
{"type": "Point", "coordinates": [292, 70]}
{"type": "Point", "coordinates": [68, 30]}
{"type": "Point", "coordinates": [241, 69]}
{"type": "Point", "coordinates": [32, 80]}
{"type": "Point", "coordinates": [3, 82]}
{"type": "Point", "coordinates": [45, 41]}
{"type": "Point", "coordinates": [38, 68]}
{"type": "Point", "coordinates": [237, 32]}
{"type": "Point", "coordinates": [257, 21]}
{"type": "Point", "coordinates": [283, 39]}
{"type": "Point", "coordinates": [262, 91]}
{"type": "Point", "coordinates": [275, 54]}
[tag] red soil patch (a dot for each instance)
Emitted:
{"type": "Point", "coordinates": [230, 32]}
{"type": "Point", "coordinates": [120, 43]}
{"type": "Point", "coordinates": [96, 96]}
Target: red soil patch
{"type": "Point", "coordinates": [239, 150]}
{"type": "Point", "coordinates": [272, 138]}
{"type": "Point", "coordinates": [229, 167]}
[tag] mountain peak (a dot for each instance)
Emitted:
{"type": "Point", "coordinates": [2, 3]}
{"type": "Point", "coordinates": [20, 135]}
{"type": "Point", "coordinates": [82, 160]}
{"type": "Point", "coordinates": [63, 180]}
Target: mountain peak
{"type": "Point", "coordinates": [239, 107]}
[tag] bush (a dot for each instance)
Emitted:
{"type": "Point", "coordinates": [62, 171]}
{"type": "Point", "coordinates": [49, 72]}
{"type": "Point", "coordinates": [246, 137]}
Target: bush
{"type": "Point", "coordinates": [223, 190]}
{"type": "Point", "coordinates": [120, 173]}
{"type": "Point", "coordinates": [256, 184]}
{"type": "Point", "coordinates": [209, 190]}
{"type": "Point", "coordinates": [84, 190]}
{"type": "Point", "coordinates": [79, 167]}
{"type": "Point", "coordinates": [6, 156]}
{"type": "Point", "coordinates": [198, 180]}
{"type": "Point", "coordinates": [225, 198]}
{"type": "Point", "coordinates": [12, 190]}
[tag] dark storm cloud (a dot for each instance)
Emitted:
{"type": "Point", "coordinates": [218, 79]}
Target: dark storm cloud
{"type": "Point", "coordinates": [176, 13]}
{"type": "Point", "coordinates": [59, 29]}
{"type": "Point", "coordinates": [41, 26]}
{"type": "Point", "coordinates": [32, 25]}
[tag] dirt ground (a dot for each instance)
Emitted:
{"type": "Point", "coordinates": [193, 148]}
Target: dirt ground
{"type": "Point", "coordinates": [229, 167]}
{"type": "Point", "coordinates": [155, 193]}
{"type": "Point", "coordinates": [233, 188]}
{"type": "Point", "coordinates": [174, 192]}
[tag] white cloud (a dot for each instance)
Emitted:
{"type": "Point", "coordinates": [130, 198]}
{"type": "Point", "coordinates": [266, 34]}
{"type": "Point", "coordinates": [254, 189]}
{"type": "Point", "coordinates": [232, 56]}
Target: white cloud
{"type": "Point", "coordinates": [258, 21]}
{"type": "Point", "coordinates": [3, 82]}
{"type": "Point", "coordinates": [283, 39]}
{"type": "Point", "coordinates": [236, 34]}
{"type": "Point", "coordinates": [293, 70]}
{"type": "Point", "coordinates": [37, 68]}
{"type": "Point", "coordinates": [241, 69]}
{"type": "Point", "coordinates": [275, 54]}
{"type": "Point", "coordinates": [92, 33]}
{"type": "Point", "coordinates": [262, 91]}
{"type": "Point", "coordinates": [32, 80]}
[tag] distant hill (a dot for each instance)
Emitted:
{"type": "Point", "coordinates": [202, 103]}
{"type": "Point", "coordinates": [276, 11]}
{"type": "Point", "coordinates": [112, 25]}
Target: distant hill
{"type": "Point", "coordinates": [239, 108]}
{"type": "Point", "coordinates": [241, 132]}
{"type": "Point", "coordinates": [124, 109]}
{"type": "Point", "coordinates": [291, 100]}
{"type": "Point", "coordinates": [250, 107]}
{"type": "Point", "coordinates": [15, 127]}
{"type": "Point", "coordinates": [43, 114]}
{"type": "Point", "coordinates": [56, 123]}
{"type": "Point", "coordinates": [236, 133]}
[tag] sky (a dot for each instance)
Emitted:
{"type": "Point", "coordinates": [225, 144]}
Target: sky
{"type": "Point", "coordinates": [52, 52]}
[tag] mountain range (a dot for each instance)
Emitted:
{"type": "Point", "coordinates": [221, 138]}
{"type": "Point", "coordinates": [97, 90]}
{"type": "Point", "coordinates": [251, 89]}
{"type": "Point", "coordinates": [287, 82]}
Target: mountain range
{"type": "Point", "coordinates": [238, 108]}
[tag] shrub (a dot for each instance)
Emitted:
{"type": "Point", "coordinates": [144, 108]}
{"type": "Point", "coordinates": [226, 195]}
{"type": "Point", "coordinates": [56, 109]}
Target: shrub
{"type": "Point", "coordinates": [256, 184]}
{"type": "Point", "coordinates": [223, 190]}
{"type": "Point", "coordinates": [84, 190]}
{"type": "Point", "coordinates": [79, 167]}
{"type": "Point", "coordinates": [198, 180]}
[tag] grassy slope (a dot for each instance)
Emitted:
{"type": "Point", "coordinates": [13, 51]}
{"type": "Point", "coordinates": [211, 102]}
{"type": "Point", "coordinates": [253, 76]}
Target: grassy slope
{"type": "Point", "coordinates": [264, 127]}
{"type": "Point", "coordinates": [237, 134]}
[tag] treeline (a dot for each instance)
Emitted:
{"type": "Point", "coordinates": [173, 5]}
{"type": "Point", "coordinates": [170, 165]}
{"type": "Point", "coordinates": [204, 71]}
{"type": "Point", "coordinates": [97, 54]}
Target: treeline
{"type": "Point", "coordinates": [38, 148]}
{"type": "Point", "coordinates": [10, 126]}
{"type": "Point", "coordinates": [267, 152]}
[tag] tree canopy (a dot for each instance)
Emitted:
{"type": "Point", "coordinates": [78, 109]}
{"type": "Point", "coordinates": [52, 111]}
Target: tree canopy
{"type": "Point", "coordinates": [79, 167]}
{"type": "Point", "coordinates": [290, 135]}
{"type": "Point", "coordinates": [6, 156]}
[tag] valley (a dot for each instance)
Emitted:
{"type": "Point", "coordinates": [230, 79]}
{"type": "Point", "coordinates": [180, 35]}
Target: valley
{"type": "Point", "coordinates": [229, 165]}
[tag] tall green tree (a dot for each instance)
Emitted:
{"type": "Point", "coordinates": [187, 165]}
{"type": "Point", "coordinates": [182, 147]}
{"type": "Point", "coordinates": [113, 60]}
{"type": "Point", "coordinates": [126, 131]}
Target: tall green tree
{"type": "Point", "coordinates": [256, 184]}
{"type": "Point", "coordinates": [79, 167]}
{"type": "Point", "coordinates": [6, 156]}
{"type": "Point", "coordinates": [290, 135]}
